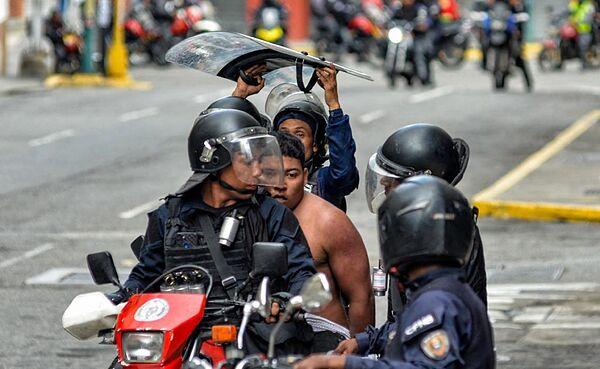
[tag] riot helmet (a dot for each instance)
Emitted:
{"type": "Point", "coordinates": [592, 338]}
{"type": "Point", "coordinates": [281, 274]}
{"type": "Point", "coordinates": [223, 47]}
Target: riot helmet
{"type": "Point", "coordinates": [287, 101]}
{"type": "Point", "coordinates": [425, 221]}
{"type": "Point", "coordinates": [239, 103]}
{"type": "Point", "coordinates": [227, 137]}
{"type": "Point", "coordinates": [413, 150]}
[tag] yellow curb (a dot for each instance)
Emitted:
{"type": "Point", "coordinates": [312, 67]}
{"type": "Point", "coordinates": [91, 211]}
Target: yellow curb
{"type": "Point", "coordinates": [530, 51]}
{"type": "Point", "coordinates": [94, 80]}
{"type": "Point", "coordinates": [539, 211]}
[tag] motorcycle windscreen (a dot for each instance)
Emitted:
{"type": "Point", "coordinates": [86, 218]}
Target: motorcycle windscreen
{"type": "Point", "coordinates": [224, 54]}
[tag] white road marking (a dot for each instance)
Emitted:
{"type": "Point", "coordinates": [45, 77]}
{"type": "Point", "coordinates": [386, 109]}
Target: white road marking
{"type": "Point", "coordinates": [372, 116]}
{"type": "Point", "coordinates": [138, 114]}
{"type": "Point", "coordinates": [538, 158]}
{"type": "Point", "coordinates": [502, 289]}
{"type": "Point", "coordinates": [52, 137]}
{"type": "Point", "coordinates": [79, 276]}
{"type": "Point", "coordinates": [28, 255]}
{"type": "Point", "coordinates": [142, 209]}
{"type": "Point", "coordinates": [430, 95]}
{"type": "Point", "coordinates": [209, 97]}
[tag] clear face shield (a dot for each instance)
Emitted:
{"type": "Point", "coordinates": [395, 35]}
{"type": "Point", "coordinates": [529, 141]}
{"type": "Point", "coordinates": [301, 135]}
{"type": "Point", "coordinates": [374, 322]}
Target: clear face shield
{"type": "Point", "coordinates": [256, 159]}
{"type": "Point", "coordinates": [286, 94]}
{"type": "Point", "coordinates": [378, 183]}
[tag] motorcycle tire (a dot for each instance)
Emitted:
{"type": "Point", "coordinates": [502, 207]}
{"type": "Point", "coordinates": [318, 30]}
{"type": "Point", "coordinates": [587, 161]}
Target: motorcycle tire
{"type": "Point", "coordinates": [451, 55]}
{"type": "Point", "coordinates": [549, 59]}
{"type": "Point", "coordinates": [158, 51]}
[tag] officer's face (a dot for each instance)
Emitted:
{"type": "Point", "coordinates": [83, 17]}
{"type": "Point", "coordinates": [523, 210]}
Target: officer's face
{"type": "Point", "coordinates": [389, 184]}
{"type": "Point", "coordinates": [301, 130]}
{"type": "Point", "coordinates": [229, 176]}
{"type": "Point", "coordinates": [292, 191]}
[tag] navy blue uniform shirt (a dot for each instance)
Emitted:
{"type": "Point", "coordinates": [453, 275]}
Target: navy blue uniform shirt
{"type": "Point", "coordinates": [434, 331]}
{"type": "Point", "coordinates": [282, 226]}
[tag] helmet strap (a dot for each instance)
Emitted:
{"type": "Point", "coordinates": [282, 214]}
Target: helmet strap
{"type": "Point", "coordinates": [229, 187]}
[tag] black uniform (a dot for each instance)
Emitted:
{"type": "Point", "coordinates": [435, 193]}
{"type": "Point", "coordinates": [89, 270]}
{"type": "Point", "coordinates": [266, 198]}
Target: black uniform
{"type": "Point", "coordinates": [174, 237]}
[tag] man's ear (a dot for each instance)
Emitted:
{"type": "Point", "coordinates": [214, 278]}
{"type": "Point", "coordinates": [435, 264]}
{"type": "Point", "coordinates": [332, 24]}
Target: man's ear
{"type": "Point", "coordinates": [305, 175]}
{"type": "Point", "coordinates": [315, 149]}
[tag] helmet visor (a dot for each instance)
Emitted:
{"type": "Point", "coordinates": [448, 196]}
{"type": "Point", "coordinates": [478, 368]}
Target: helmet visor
{"type": "Point", "coordinates": [378, 183]}
{"type": "Point", "coordinates": [256, 160]}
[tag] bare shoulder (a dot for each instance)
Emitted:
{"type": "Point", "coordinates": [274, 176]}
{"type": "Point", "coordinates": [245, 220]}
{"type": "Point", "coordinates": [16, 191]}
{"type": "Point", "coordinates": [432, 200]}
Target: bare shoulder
{"type": "Point", "coordinates": [324, 211]}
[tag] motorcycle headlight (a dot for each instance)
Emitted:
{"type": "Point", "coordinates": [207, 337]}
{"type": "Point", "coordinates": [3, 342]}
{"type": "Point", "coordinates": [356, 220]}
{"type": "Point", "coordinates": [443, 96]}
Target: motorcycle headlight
{"type": "Point", "coordinates": [395, 35]}
{"type": "Point", "coordinates": [142, 347]}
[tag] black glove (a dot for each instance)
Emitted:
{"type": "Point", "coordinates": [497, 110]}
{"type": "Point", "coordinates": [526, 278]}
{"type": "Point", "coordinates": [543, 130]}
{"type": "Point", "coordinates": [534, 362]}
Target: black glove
{"type": "Point", "coordinates": [119, 296]}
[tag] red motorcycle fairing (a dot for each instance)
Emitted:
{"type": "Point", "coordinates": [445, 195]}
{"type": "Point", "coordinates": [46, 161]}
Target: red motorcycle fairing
{"type": "Point", "coordinates": [568, 31]}
{"type": "Point", "coordinates": [174, 314]}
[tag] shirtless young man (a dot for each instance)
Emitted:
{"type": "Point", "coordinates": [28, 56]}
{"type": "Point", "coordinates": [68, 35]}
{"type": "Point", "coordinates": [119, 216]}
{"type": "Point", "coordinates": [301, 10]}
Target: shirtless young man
{"type": "Point", "coordinates": [336, 246]}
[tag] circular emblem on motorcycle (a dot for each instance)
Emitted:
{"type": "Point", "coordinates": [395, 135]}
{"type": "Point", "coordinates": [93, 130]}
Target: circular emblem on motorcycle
{"type": "Point", "coordinates": [152, 310]}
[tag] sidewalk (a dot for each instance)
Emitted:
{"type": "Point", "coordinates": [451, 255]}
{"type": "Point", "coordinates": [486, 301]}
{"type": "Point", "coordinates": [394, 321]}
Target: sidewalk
{"type": "Point", "coordinates": [560, 182]}
{"type": "Point", "coordinates": [17, 86]}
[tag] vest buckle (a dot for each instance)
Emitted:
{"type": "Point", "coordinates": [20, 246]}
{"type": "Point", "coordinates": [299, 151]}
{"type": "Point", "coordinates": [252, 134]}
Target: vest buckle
{"type": "Point", "coordinates": [229, 282]}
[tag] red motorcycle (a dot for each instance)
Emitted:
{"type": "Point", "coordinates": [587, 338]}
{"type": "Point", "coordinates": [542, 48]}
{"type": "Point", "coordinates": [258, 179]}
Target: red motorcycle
{"type": "Point", "coordinates": [561, 45]}
{"type": "Point", "coordinates": [168, 329]}
{"type": "Point", "coordinates": [144, 36]}
{"type": "Point", "coordinates": [192, 20]}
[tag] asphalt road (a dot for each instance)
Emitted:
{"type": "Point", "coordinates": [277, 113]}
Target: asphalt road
{"type": "Point", "coordinates": [80, 167]}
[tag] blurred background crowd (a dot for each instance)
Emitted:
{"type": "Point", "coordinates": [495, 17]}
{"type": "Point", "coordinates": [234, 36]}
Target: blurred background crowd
{"type": "Point", "coordinates": [39, 37]}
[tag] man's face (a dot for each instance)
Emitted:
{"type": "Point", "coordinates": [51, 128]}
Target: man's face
{"type": "Point", "coordinates": [303, 131]}
{"type": "Point", "coordinates": [408, 2]}
{"type": "Point", "coordinates": [228, 176]}
{"type": "Point", "coordinates": [292, 191]}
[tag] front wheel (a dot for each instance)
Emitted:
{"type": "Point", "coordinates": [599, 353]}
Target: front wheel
{"type": "Point", "coordinates": [451, 55]}
{"type": "Point", "coordinates": [549, 59]}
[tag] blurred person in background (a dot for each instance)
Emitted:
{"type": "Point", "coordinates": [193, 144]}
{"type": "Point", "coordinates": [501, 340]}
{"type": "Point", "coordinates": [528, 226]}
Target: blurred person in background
{"type": "Point", "coordinates": [582, 16]}
{"type": "Point", "coordinates": [518, 6]}
{"type": "Point", "coordinates": [104, 22]}
{"type": "Point", "coordinates": [419, 16]}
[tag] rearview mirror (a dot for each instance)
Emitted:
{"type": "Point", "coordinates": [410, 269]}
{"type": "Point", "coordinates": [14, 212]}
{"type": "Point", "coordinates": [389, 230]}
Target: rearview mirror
{"type": "Point", "coordinates": [315, 293]}
{"type": "Point", "coordinates": [269, 259]}
{"type": "Point", "coordinates": [136, 246]}
{"type": "Point", "coordinates": [102, 268]}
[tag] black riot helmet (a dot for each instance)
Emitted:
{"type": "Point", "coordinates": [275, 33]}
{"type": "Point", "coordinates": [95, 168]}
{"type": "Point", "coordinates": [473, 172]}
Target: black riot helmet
{"type": "Point", "coordinates": [287, 101]}
{"type": "Point", "coordinates": [239, 103]}
{"type": "Point", "coordinates": [412, 150]}
{"type": "Point", "coordinates": [425, 221]}
{"type": "Point", "coordinates": [227, 137]}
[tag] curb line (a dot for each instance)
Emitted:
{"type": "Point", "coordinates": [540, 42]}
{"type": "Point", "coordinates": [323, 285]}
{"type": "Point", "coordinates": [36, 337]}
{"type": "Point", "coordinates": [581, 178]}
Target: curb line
{"type": "Point", "coordinates": [538, 211]}
{"type": "Point", "coordinates": [94, 80]}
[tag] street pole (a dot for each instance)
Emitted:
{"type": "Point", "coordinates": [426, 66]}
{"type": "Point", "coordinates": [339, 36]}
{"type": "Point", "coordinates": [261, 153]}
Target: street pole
{"type": "Point", "coordinates": [87, 63]}
{"type": "Point", "coordinates": [117, 53]}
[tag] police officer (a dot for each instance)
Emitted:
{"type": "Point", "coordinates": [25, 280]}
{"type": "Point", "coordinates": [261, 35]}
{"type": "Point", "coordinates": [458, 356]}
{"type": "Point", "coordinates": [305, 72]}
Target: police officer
{"type": "Point", "coordinates": [324, 136]}
{"type": "Point", "coordinates": [231, 155]}
{"type": "Point", "coordinates": [425, 232]}
{"type": "Point", "coordinates": [423, 149]}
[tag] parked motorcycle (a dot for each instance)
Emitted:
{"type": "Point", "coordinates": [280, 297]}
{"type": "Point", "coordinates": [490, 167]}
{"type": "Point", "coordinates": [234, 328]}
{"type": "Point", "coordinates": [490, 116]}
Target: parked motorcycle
{"type": "Point", "coordinates": [398, 59]}
{"type": "Point", "coordinates": [270, 25]}
{"type": "Point", "coordinates": [70, 55]}
{"type": "Point", "coordinates": [452, 42]}
{"type": "Point", "coordinates": [170, 329]}
{"type": "Point", "coordinates": [145, 37]}
{"type": "Point", "coordinates": [560, 45]}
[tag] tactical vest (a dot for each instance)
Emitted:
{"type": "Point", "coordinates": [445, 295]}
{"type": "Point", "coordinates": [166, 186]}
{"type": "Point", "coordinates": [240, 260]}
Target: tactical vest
{"type": "Point", "coordinates": [185, 243]}
{"type": "Point", "coordinates": [478, 354]}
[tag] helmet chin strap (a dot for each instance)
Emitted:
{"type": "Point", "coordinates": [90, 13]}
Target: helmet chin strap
{"type": "Point", "coordinates": [229, 187]}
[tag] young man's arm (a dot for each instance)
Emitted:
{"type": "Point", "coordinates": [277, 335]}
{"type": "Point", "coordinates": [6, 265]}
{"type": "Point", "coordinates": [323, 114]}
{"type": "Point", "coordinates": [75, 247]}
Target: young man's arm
{"type": "Point", "coordinates": [340, 178]}
{"type": "Point", "coordinates": [349, 264]}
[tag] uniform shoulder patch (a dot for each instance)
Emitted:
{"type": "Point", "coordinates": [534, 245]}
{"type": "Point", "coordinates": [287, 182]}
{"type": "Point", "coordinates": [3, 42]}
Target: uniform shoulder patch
{"type": "Point", "coordinates": [436, 345]}
{"type": "Point", "coordinates": [422, 324]}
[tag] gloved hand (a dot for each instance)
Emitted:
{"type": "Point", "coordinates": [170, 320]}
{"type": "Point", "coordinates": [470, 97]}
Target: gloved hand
{"type": "Point", "coordinates": [119, 296]}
